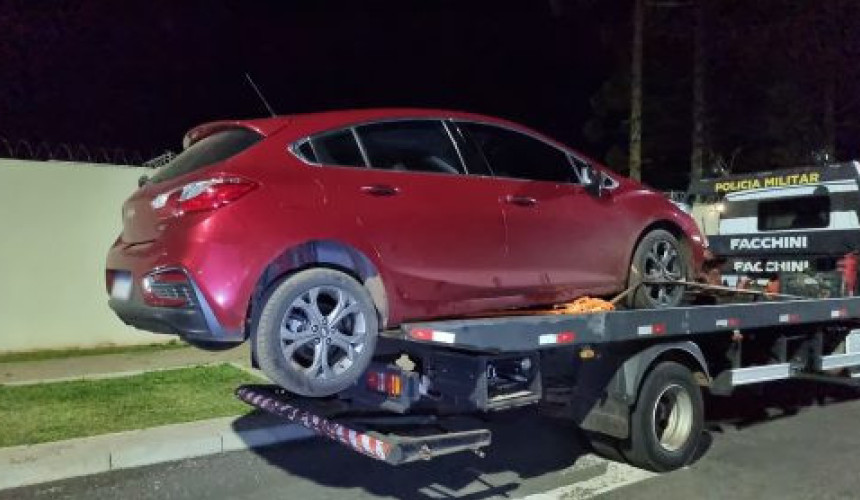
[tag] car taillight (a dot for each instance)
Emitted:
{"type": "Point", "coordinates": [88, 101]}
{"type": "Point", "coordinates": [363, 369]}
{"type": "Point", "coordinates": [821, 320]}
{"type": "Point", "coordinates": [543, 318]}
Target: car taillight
{"type": "Point", "coordinates": [200, 196]}
{"type": "Point", "coordinates": [385, 382]}
{"type": "Point", "coordinates": [168, 288]}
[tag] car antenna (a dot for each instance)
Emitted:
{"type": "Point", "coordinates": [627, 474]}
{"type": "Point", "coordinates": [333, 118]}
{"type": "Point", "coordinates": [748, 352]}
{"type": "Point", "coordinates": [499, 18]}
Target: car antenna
{"type": "Point", "coordinates": [260, 95]}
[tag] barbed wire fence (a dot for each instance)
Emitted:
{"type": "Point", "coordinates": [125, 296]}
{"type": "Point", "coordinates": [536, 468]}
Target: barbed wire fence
{"type": "Point", "coordinates": [22, 149]}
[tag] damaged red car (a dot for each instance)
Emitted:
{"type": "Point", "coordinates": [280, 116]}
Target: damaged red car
{"type": "Point", "coordinates": [308, 234]}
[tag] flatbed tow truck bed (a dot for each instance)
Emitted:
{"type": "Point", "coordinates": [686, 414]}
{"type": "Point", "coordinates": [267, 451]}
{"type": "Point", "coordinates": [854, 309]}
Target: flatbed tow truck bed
{"type": "Point", "coordinates": [632, 379]}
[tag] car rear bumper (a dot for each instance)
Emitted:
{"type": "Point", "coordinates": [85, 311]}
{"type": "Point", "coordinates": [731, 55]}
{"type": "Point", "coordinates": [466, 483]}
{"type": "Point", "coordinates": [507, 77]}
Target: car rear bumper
{"type": "Point", "coordinates": [190, 324]}
{"type": "Point", "coordinates": [193, 320]}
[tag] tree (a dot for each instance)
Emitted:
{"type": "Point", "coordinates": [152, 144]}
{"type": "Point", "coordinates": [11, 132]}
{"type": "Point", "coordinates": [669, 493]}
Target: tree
{"type": "Point", "coordinates": [697, 146]}
{"type": "Point", "coordinates": [635, 156]}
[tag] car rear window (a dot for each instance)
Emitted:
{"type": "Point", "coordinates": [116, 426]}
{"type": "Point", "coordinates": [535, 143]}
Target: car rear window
{"type": "Point", "coordinates": [212, 149]}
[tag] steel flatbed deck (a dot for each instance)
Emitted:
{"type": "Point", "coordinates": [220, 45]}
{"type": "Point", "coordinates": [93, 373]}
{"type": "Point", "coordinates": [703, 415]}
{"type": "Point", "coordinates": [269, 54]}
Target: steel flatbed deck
{"type": "Point", "coordinates": [546, 331]}
{"type": "Point", "coordinates": [633, 379]}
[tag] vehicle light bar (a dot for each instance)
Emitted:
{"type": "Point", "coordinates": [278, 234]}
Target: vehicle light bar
{"type": "Point", "coordinates": [385, 382]}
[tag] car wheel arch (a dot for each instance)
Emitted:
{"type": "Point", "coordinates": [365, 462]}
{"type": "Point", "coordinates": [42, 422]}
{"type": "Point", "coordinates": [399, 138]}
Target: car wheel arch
{"type": "Point", "coordinates": [666, 225]}
{"type": "Point", "coordinates": [320, 253]}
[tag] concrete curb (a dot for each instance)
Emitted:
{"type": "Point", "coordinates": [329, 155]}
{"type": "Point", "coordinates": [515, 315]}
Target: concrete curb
{"type": "Point", "coordinates": [130, 373]}
{"type": "Point", "coordinates": [26, 465]}
{"type": "Point", "coordinates": [105, 376]}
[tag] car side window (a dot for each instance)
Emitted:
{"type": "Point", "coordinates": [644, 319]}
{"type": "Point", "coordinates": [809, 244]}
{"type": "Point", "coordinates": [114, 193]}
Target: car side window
{"type": "Point", "coordinates": [413, 146]}
{"type": "Point", "coordinates": [520, 156]}
{"type": "Point", "coordinates": [332, 148]}
{"type": "Point", "coordinates": [476, 164]}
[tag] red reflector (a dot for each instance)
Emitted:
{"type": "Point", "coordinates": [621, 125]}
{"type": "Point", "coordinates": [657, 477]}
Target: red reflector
{"type": "Point", "coordinates": [373, 380]}
{"type": "Point", "coordinates": [421, 334]}
{"type": "Point", "coordinates": [659, 328]}
{"type": "Point", "coordinates": [565, 337]}
{"type": "Point", "coordinates": [169, 288]}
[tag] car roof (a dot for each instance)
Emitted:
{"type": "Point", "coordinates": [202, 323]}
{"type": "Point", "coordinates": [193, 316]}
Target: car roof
{"type": "Point", "coordinates": [308, 123]}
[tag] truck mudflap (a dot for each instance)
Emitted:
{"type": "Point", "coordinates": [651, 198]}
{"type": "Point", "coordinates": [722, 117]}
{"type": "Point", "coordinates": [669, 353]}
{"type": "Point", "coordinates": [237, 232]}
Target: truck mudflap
{"type": "Point", "coordinates": [393, 449]}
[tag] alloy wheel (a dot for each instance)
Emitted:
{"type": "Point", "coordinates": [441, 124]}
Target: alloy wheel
{"type": "Point", "coordinates": [323, 331]}
{"type": "Point", "coordinates": [663, 263]}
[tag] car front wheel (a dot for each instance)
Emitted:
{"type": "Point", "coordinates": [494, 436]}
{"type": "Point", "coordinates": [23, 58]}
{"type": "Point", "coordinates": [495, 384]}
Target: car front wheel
{"type": "Point", "coordinates": [658, 261]}
{"type": "Point", "coordinates": [316, 332]}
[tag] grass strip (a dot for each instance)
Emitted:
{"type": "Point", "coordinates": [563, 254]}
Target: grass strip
{"type": "Point", "coordinates": [63, 410]}
{"type": "Point", "coordinates": [14, 357]}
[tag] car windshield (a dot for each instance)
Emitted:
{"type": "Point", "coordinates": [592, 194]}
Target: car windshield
{"type": "Point", "coordinates": [212, 149]}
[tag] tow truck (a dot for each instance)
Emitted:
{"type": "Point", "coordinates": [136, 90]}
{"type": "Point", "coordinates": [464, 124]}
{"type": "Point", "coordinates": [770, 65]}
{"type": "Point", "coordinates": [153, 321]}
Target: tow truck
{"type": "Point", "coordinates": [633, 380]}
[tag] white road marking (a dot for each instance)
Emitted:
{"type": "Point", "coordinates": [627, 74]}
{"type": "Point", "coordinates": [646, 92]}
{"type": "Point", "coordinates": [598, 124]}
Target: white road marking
{"type": "Point", "coordinates": [617, 475]}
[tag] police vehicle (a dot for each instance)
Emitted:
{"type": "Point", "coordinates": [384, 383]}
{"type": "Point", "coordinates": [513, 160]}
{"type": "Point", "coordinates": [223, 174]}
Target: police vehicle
{"type": "Point", "coordinates": [771, 225]}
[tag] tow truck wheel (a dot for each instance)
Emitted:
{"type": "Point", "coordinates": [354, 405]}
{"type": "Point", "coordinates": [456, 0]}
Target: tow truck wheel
{"type": "Point", "coordinates": [658, 257]}
{"type": "Point", "coordinates": [667, 422]}
{"type": "Point", "coordinates": [317, 332]}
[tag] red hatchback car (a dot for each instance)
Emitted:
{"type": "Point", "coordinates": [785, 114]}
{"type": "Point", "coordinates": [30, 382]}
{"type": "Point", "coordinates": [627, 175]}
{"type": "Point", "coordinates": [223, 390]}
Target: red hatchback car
{"type": "Point", "coordinates": [310, 233]}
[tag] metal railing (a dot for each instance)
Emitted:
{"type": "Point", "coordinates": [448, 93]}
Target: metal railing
{"type": "Point", "coordinates": [22, 149]}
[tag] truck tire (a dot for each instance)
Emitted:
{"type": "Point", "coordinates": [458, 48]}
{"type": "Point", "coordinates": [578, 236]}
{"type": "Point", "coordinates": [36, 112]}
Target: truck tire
{"type": "Point", "coordinates": [316, 332]}
{"type": "Point", "coordinates": [667, 422]}
{"type": "Point", "coordinates": [658, 256]}
{"type": "Point", "coordinates": [606, 446]}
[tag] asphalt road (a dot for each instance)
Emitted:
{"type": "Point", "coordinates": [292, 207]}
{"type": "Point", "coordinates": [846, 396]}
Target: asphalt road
{"type": "Point", "coordinates": [796, 441]}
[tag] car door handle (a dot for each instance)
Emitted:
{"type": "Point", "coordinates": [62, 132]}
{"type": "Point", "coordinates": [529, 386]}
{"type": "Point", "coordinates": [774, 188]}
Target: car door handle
{"type": "Point", "coordinates": [380, 190]}
{"type": "Point", "coordinates": [521, 201]}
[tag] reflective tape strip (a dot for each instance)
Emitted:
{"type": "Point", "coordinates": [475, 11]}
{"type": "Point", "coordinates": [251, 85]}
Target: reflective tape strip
{"type": "Point", "coordinates": [838, 313]}
{"type": "Point", "coordinates": [549, 338]}
{"type": "Point", "coordinates": [789, 318]}
{"type": "Point", "coordinates": [366, 444]}
{"type": "Point", "coordinates": [657, 329]}
{"type": "Point", "coordinates": [444, 337]}
{"type": "Point", "coordinates": [380, 450]}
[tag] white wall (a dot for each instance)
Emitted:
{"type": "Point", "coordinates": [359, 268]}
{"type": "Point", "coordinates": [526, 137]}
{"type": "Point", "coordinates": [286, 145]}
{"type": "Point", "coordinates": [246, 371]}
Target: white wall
{"type": "Point", "coordinates": [57, 221]}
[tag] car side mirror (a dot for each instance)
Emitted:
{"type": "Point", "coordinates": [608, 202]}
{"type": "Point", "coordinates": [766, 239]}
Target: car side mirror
{"type": "Point", "coordinates": [593, 180]}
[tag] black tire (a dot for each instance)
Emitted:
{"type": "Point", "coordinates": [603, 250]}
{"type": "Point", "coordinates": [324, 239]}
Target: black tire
{"type": "Point", "coordinates": [645, 265]}
{"type": "Point", "coordinates": [296, 346]}
{"type": "Point", "coordinates": [667, 423]}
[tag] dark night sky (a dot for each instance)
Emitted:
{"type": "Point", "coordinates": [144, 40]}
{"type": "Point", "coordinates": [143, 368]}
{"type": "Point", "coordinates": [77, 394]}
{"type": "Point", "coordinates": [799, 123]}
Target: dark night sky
{"type": "Point", "coordinates": [137, 75]}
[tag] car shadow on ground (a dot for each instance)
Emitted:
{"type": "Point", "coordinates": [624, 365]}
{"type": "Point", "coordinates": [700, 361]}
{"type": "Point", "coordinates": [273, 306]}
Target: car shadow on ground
{"type": "Point", "coordinates": [525, 446]}
{"type": "Point", "coordinates": [757, 405]}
